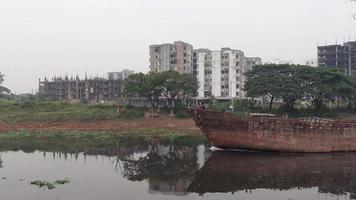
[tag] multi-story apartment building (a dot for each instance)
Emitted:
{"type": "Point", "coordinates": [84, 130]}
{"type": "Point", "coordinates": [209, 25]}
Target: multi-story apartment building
{"type": "Point", "coordinates": [220, 73]}
{"type": "Point", "coordinates": [177, 56]}
{"type": "Point", "coordinates": [342, 57]}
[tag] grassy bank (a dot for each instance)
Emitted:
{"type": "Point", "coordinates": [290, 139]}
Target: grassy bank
{"type": "Point", "coordinates": [12, 111]}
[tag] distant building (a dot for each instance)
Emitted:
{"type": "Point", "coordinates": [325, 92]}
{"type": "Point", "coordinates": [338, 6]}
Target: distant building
{"type": "Point", "coordinates": [124, 74]}
{"type": "Point", "coordinates": [221, 73]}
{"type": "Point", "coordinates": [342, 57]}
{"type": "Point", "coordinates": [311, 63]}
{"type": "Point", "coordinates": [177, 56]}
{"type": "Point", "coordinates": [91, 90]}
{"type": "Point", "coordinates": [251, 62]}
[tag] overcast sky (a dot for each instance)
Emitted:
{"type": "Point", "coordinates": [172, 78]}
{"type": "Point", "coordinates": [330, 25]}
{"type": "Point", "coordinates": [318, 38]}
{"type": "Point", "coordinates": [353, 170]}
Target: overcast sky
{"type": "Point", "coordinates": [41, 38]}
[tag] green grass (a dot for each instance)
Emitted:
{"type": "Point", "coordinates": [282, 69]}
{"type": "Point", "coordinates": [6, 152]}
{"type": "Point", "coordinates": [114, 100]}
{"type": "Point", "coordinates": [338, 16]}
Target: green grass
{"type": "Point", "coordinates": [41, 111]}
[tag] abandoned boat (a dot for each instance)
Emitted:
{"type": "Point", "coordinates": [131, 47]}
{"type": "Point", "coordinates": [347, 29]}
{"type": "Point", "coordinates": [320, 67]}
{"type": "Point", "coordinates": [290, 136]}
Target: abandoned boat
{"type": "Point", "coordinates": [265, 132]}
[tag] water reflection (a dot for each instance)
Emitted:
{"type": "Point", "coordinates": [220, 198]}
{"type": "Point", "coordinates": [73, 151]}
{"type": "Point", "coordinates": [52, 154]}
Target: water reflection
{"type": "Point", "coordinates": [177, 169]}
{"type": "Point", "coordinates": [240, 171]}
{"type": "Point", "coordinates": [167, 166]}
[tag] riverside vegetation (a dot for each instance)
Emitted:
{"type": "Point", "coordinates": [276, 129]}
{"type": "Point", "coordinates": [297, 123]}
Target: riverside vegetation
{"type": "Point", "coordinates": [296, 91]}
{"type": "Point", "coordinates": [12, 111]}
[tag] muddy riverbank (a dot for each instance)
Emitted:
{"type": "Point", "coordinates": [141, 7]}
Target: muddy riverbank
{"type": "Point", "coordinates": [162, 123]}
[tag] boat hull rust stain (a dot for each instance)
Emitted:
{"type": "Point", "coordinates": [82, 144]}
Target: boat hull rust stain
{"type": "Point", "coordinates": [229, 131]}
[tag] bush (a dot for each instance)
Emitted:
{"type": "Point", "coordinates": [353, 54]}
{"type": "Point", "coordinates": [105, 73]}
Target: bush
{"type": "Point", "coordinates": [130, 112]}
{"type": "Point", "coordinates": [182, 114]}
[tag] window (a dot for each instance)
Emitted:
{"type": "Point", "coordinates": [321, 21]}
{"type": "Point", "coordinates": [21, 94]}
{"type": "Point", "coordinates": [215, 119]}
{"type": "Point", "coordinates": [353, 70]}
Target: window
{"type": "Point", "coordinates": [207, 72]}
{"type": "Point", "coordinates": [225, 71]}
{"type": "Point", "coordinates": [225, 64]}
{"type": "Point", "coordinates": [237, 71]}
{"type": "Point", "coordinates": [207, 93]}
{"type": "Point", "coordinates": [237, 86]}
{"type": "Point", "coordinates": [237, 94]}
{"type": "Point", "coordinates": [225, 56]}
{"type": "Point", "coordinates": [237, 56]}
{"type": "Point", "coordinates": [237, 64]}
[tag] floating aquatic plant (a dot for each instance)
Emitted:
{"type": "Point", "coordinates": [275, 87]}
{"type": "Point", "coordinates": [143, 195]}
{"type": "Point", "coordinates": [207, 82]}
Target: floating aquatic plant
{"type": "Point", "coordinates": [49, 185]}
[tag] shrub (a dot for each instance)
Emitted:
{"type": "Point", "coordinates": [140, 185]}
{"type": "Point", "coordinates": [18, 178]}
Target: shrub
{"type": "Point", "coordinates": [132, 113]}
{"type": "Point", "coordinates": [182, 114]}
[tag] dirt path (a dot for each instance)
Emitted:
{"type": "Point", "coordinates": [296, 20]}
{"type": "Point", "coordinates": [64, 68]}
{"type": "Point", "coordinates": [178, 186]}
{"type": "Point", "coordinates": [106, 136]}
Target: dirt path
{"type": "Point", "coordinates": [169, 123]}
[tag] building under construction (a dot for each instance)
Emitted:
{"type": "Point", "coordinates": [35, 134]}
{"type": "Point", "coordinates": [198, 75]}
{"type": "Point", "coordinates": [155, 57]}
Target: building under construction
{"type": "Point", "coordinates": [87, 90]}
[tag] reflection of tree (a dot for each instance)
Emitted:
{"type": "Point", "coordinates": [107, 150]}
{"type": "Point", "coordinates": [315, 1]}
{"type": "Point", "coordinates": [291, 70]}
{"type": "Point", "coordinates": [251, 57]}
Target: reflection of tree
{"type": "Point", "coordinates": [1, 166]}
{"type": "Point", "coordinates": [162, 162]}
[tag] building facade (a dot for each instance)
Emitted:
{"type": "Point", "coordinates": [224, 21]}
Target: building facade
{"type": "Point", "coordinates": [342, 57]}
{"type": "Point", "coordinates": [124, 74]}
{"type": "Point", "coordinates": [251, 62]}
{"type": "Point", "coordinates": [220, 73]}
{"type": "Point", "coordinates": [177, 56]}
{"type": "Point", "coordinates": [311, 62]}
{"type": "Point", "coordinates": [75, 89]}
{"type": "Point", "coordinates": [90, 90]}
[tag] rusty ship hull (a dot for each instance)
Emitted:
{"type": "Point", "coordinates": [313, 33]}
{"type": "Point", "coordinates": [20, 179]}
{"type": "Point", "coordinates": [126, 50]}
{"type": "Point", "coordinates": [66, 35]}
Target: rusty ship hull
{"type": "Point", "coordinates": [229, 131]}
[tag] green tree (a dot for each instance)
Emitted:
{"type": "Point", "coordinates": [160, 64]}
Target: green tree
{"type": "Point", "coordinates": [173, 86]}
{"type": "Point", "coordinates": [322, 85]}
{"type": "Point", "coordinates": [263, 80]}
{"type": "Point", "coordinates": [3, 90]}
{"type": "Point", "coordinates": [144, 85]}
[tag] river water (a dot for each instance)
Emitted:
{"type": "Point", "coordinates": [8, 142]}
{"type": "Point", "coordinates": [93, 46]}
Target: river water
{"type": "Point", "coordinates": [172, 170]}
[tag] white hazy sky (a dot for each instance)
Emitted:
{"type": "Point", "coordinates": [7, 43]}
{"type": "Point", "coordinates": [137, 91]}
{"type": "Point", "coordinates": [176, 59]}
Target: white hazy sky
{"type": "Point", "coordinates": [41, 38]}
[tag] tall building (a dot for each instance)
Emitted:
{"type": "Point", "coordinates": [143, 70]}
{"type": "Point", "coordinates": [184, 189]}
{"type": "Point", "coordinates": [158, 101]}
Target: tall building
{"type": "Point", "coordinates": [220, 73]}
{"type": "Point", "coordinates": [342, 57]}
{"type": "Point", "coordinates": [177, 56]}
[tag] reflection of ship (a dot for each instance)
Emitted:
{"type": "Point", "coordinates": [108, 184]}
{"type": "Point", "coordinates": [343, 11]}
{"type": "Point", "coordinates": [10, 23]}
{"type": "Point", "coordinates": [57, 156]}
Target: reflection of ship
{"type": "Point", "coordinates": [238, 171]}
{"type": "Point", "coordinates": [268, 133]}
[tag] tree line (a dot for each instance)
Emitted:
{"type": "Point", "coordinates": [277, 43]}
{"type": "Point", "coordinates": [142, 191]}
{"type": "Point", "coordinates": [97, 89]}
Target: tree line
{"type": "Point", "coordinates": [292, 83]}
{"type": "Point", "coordinates": [171, 85]}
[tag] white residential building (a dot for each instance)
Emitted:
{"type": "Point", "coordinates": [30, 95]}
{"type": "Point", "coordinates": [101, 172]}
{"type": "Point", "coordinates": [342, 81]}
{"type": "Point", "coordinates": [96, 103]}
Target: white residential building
{"type": "Point", "coordinates": [220, 73]}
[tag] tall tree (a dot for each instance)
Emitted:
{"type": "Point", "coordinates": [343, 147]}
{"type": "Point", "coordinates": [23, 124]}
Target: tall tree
{"type": "Point", "coordinates": [144, 85]}
{"type": "Point", "coordinates": [263, 80]}
{"type": "Point", "coordinates": [3, 90]}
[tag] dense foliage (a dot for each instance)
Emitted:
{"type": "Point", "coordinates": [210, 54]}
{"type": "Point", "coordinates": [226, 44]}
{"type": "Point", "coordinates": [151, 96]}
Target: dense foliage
{"type": "Point", "coordinates": [292, 83]}
{"type": "Point", "coordinates": [171, 85]}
